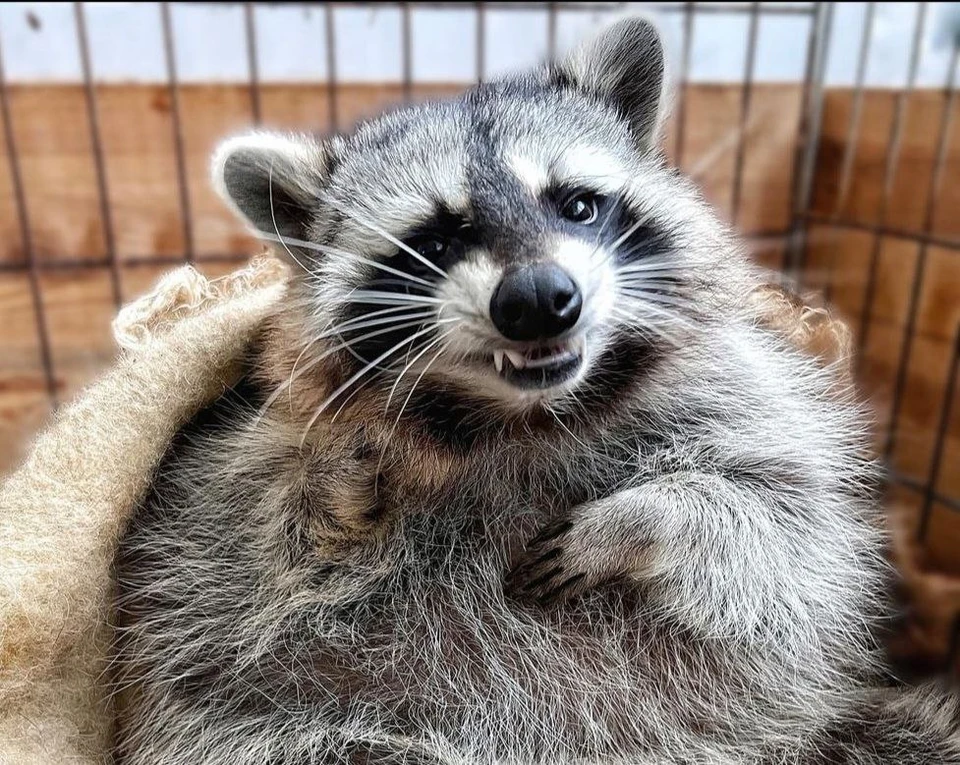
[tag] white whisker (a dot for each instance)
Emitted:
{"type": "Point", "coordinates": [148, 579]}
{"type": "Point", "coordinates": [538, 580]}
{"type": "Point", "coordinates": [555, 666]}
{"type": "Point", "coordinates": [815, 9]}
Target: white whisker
{"type": "Point", "coordinates": [330, 351]}
{"type": "Point", "coordinates": [666, 300]}
{"type": "Point", "coordinates": [420, 377]}
{"type": "Point", "coordinates": [273, 217]}
{"type": "Point", "coordinates": [416, 382]}
{"type": "Point", "coordinates": [293, 371]}
{"type": "Point", "coordinates": [345, 386]}
{"type": "Point", "coordinates": [415, 359]}
{"type": "Point", "coordinates": [377, 297]}
{"type": "Point", "coordinates": [322, 248]}
{"type": "Point", "coordinates": [365, 316]}
{"type": "Point", "coordinates": [560, 422]}
{"type": "Point", "coordinates": [664, 317]}
{"type": "Point", "coordinates": [654, 290]}
{"type": "Point", "coordinates": [628, 233]}
{"type": "Point", "coordinates": [358, 325]}
{"type": "Point", "coordinates": [393, 240]}
{"type": "Point", "coordinates": [647, 267]}
{"type": "Point", "coordinates": [651, 283]}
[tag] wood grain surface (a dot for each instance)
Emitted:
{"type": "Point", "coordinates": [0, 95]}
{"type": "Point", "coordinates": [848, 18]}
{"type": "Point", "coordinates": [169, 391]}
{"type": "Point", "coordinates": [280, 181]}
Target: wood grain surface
{"type": "Point", "coordinates": [870, 212]}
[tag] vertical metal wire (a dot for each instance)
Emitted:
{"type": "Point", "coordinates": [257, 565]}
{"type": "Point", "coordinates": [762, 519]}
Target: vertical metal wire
{"type": "Point", "coordinates": [683, 82]}
{"type": "Point", "coordinates": [853, 131]}
{"type": "Point", "coordinates": [173, 85]}
{"type": "Point", "coordinates": [551, 32]}
{"type": "Point", "coordinates": [946, 412]}
{"type": "Point", "coordinates": [26, 240]}
{"type": "Point", "coordinates": [748, 71]}
{"type": "Point", "coordinates": [808, 135]}
{"type": "Point", "coordinates": [253, 66]}
{"type": "Point", "coordinates": [919, 271]}
{"type": "Point", "coordinates": [953, 647]}
{"type": "Point", "coordinates": [481, 42]}
{"type": "Point", "coordinates": [332, 95]}
{"type": "Point", "coordinates": [890, 172]}
{"type": "Point", "coordinates": [96, 140]}
{"type": "Point", "coordinates": [407, 46]}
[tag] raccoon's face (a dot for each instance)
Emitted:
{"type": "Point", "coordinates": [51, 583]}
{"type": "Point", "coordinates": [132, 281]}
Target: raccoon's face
{"type": "Point", "coordinates": [522, 244]}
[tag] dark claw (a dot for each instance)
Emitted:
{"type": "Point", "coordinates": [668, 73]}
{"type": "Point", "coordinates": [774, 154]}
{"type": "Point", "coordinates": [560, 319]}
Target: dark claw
{"type": "Point", "coordinates": [541, 579]}
{"type": "Point", "coordinates": [558, 593]}
{"type": "Point", "coordinates": [550, 533]}
{"type": "Point", "coordinates": [525, 565]}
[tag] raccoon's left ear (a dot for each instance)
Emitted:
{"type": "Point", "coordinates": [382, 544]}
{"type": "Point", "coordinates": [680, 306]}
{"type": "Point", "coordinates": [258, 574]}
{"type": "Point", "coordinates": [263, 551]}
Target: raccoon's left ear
{"type": "Point", "coordinates": [273, 181]}
{"type": "Point", "coordinates": [625, 66]}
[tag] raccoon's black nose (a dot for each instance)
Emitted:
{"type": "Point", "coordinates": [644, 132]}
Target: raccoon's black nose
{"type": "Point", "coordinates": [535, 302]}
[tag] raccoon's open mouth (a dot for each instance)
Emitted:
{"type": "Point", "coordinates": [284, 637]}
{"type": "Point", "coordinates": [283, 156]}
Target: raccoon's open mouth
{"type": "Point", "coordinates": [540, 367]}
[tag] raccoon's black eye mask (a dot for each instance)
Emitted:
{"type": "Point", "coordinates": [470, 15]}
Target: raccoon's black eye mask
{"type": "Point", "coordinates": [277, 182]}
{"type": "Point", "coordinates": [442, 240]}
{"type": "Point", "coordinates": [608, 220]}
{"type": "Point", "coordinates": [599, 218]}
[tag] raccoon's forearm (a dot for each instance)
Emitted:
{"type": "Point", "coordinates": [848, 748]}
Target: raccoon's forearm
{"type": "Point", "coordinates": [728, 559]}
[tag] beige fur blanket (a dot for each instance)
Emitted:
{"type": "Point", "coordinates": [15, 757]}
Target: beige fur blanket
{"type": "Point", "coordinates": [62, 513]}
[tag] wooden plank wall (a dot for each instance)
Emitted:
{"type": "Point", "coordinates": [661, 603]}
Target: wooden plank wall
{"type": "Point", "coordinates": [60, 179]}
{"type": "Point", "coordinates": [54, 145]}
{"type": "Point", "coordinates": [902, 237]}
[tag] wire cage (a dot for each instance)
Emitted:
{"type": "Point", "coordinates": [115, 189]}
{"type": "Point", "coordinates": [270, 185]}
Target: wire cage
{"type": "Point", "coordinates": [845, 188]}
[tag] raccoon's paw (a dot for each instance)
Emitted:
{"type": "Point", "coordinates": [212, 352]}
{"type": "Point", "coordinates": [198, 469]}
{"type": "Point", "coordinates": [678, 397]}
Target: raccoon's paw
{"type": "Point", "coordinates": [562, 561]}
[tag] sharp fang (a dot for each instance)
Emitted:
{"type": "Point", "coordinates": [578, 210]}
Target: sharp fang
{"type": "Point", "coordinates": [498, 361]}
{"type": "Point", "coordinates": [516, 359]}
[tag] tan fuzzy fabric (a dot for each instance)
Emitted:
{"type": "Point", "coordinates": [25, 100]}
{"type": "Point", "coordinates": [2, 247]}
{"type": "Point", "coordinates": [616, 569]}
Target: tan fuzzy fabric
{"type": "Point", "coordinates": [808, 325]}
{"type": "Point", "coordinates": [924, 642]}
{"type": "Point", "coordinates": [62, 513]}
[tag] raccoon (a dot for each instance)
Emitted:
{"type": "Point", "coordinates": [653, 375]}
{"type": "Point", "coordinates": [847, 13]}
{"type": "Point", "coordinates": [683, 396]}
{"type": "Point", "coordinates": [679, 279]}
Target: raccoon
{"type": "Point", "coordinates": [516, 474]}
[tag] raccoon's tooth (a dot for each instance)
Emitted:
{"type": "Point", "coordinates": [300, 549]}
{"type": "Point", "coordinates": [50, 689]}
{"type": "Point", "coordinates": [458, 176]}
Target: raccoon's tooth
{"type": "Point", "coordinates": [516, 359]}
{"type": "Point", "coordinates": [498, 361]}
{"type": "Point", "coordinates": [580, 346]}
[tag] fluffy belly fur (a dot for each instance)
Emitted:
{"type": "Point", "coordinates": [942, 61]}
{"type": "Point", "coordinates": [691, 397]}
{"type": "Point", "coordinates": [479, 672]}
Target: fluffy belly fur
{"type": "Point", "coordinates": [248, 636]}
{"type": "Point", "coordinates": [239, 642]}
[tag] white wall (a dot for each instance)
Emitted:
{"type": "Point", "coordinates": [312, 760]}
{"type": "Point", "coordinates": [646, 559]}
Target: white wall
{"type": "Point", "coordinates": [40, 43]}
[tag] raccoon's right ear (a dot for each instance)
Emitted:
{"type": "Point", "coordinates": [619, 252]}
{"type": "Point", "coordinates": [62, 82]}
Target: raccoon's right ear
{"type": "Point", "coordinates": [624, 66]}
{"type": "Point", "coordinates": [272, 181]}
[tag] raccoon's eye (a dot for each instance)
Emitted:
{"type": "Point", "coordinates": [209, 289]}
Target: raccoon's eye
{"type": "Point", "coordinates": [581, 209]}
{"type": "Point", "coordinates": [431, 247]}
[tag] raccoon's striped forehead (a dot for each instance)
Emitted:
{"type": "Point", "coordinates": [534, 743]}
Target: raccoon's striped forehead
{"type": "Point", "coordinates": [484, 158]}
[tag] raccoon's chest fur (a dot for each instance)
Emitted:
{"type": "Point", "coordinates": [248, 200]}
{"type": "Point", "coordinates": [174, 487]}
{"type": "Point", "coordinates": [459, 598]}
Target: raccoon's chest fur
{"type": "Point", "coordinates": [240, 642]}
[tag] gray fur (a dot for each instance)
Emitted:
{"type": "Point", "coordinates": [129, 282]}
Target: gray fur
{"type": "Point", "coordinates": [672, 557]}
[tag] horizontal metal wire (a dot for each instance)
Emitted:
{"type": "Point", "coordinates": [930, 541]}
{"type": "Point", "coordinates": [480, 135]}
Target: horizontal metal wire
{"type": "Point", "coordinates": [768, 9]}
{"type": "Point", "coordinates": [894, 232]}
{"type": "Point", "coordinates": [951, 503]}
{"type": "Point", "coordinates": [805, 162]}
{"type": "Point", "coordinates": [86, 263]}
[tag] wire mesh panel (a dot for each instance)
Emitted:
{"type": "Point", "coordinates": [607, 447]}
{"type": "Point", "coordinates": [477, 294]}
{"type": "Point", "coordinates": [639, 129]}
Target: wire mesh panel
{"type": "Point", "coordinates": [840, 174]}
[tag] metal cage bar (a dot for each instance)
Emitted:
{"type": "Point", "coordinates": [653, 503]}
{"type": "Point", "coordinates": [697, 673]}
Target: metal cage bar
{"type": "Point", "coordinates": [889, 178]}
{"type": "Point", "coordinates": [805, 174]}
{"type": "Point", "coordinates": [748, 71]}
{"type": "Point", "coordinates": [96, 142]}
{"type": "Point", "coordinates": [936, 464]}
{"type": "Point", "coordinates": [919, 271]}
{"type": "Point", "coordinates": [681, 111]}
{"type": "Point", "coordinates": [406, 43]}
{"type": "Point", "coordinates": [170, 54]}
{"type": "Point", "coordinates": [808, 138]}
{"type": "Point", "coordinates": [26, 241]}
{"type": "Point", "coordinates": [853, 131]}
{"type": "Point", "coordinates": [332, 100]}
{"type": "Point", "coordinates": [253, 66]}
{"type": "Point", "coordinates": [481, 42]}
